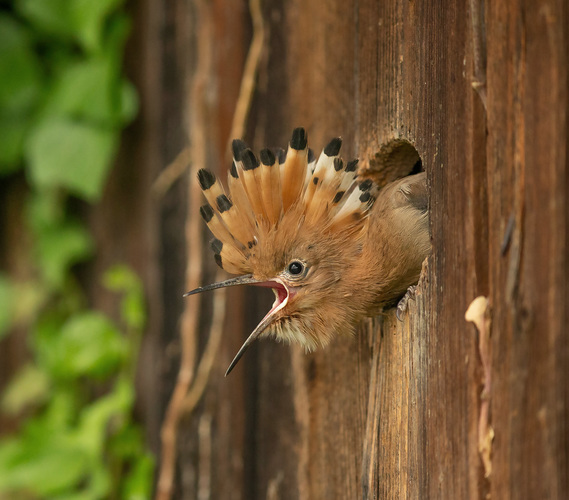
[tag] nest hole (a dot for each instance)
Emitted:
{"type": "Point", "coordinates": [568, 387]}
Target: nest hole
{"type": "Point", "coordinates": [395, 159]}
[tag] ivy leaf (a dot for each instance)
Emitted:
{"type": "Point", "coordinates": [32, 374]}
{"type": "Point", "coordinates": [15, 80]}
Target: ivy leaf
{"type": "Point", "coordinates": [138, 483]}
{"type": "Point", "coordinates": [30, 386]}
{"type": "Point", "coordinates": [59, 243]}
{"type": "Point", "coordinates": [128, 102]}
{"type": "Point", "coordinates": [88, 19]}
{"type": "Point", "coordinates": [48, 16]}
{"type": "Point", "coordinates": [88, 90]}
{"type": "Point", "coordinates": [44, 210]}
{"type": "Point", "coordinates": [20, 74]}
{"type": "Point", "coordinates": [104, 416]}
{"type": "Point", "coordinates": [6, 304]}
{"type": "Point", "coordinates": [12, 134]}
{"type": "Point", "coordinates": [43, 464]}
{"type": "Point", "coordinates": [72, 155]}
{"type": "Point", "coordinates": [88, 344]}
{"type": "Point", "coordinates": [20, 88]}
{"type": "Point", "coordinates": [80, 20]}
{"type": "Point", "coordinates": [121, 279]}
{"type": "Point", "coordinates": [58, 248]}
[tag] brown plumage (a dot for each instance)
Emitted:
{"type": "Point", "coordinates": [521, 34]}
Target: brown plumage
{"type": "Point", "coordinates": [333, 248]}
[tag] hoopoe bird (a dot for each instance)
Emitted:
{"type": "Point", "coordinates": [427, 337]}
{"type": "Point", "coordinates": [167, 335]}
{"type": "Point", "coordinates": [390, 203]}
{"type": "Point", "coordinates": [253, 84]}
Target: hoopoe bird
{"type": "Point", "coordinates": [333, 248]}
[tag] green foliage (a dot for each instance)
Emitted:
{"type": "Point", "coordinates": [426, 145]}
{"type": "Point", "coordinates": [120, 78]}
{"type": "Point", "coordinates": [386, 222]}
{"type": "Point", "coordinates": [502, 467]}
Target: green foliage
{"type": "Point", "coordinates": [29, 387]}
{"type": "Point", "coordinates": [121, 279]}
{"type": "Point", "coordinates": [84, 149]}
{"type": "Point", "coordinates": [63, 103]}
{"type": "Point", "coordinates": [60, 240]}
{"type": "Point", "coordinates": [87, 344]}
{"type": "Point", "coordinates": [6, 305]}
{"type": "Point", "coordinates": [78, 445]}
{"type": "Point", "coordinates": [65, 453]}
{"type": "Point", "coordinates": [81, 21]}
{"type": "Point", "coordinates": [20, 90]}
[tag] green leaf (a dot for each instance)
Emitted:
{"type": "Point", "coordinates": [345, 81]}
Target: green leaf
{"type": "Point", "coordinates": [121, 279]}
{"type": "Point", "coordinates": [128, 442]}
{"type": "Point", "coordinates": [60, 414]}
{"type": "Point", "coordinates": [128, 102]}
{"type": "Point", "coordinates": [87, 344]}
{"type": "Point", "coordinates": [44, 340]}
{"type": "Point", "coordinates": [45, 210]}
{"type": "Point", "coordinates": [81, 20]}
{"type": "Point", "coordinates": [59, 243]}
{"type": "Point", "coordinates": [133, 311]}
{"type": "Point", "coordinates": [90, 345]}
{"type": "Point", "coordinates": [6, 305]}
{"type": "Point", "coordinates": [20, 74]}
{"type": "Point", "coordinates": [12, 133]}
{"type": "Point", "coordinates": [44, 464]}
{"type": "Point", "coordinates": [138, 483]}
{"type": "Point", "coordinates": [49, 16]}
{"type": "Point", "coordinates": [110, 410]}
{"type": "Point", "coordinates": [72, 155]}
{"type": "Point", "coordinates": [20, 89]}
{"type": "Point", "coordinates": [30, 386]}
{"type": "Point", "coordinates": [88, 20]}
{"type": "Point", "coordinates": [60, 247]}
{"type": "Point", "coordinates": [28, 299]}
{"type": "Point", "coordinates": [88, 90]}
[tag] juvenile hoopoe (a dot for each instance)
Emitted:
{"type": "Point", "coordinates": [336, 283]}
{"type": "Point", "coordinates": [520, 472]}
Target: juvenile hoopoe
{"type": "Point", "coordinates": [333, 248]}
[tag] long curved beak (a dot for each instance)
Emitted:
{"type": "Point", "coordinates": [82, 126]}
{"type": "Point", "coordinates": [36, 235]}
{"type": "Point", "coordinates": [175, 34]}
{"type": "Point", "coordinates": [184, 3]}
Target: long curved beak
{"type": "Point", "coordinates": [246, 279]}
{"type": "Point", "coordinates": [254, 335]}
{"type": "Point", "coordinates": [282, 294]}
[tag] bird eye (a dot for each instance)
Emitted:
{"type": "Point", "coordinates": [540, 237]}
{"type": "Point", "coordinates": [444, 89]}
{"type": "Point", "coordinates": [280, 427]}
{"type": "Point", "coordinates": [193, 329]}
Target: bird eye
{"type": "Point", "coordinates": [295, 268]}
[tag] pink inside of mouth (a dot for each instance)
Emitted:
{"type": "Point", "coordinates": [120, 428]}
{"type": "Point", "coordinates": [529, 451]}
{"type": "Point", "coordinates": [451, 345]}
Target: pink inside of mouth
{"type": "Point", "coordinates": [280, 291]}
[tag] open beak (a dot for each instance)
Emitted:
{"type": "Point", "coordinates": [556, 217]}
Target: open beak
{"type": "Point", "coordinates": [282, 294]}
{"type": "Point", "coordinates": [246, 279]}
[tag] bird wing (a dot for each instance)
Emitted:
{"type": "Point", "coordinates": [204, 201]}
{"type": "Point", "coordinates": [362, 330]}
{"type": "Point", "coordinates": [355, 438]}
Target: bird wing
{"type": "Point", "coordinates": [412, 190]}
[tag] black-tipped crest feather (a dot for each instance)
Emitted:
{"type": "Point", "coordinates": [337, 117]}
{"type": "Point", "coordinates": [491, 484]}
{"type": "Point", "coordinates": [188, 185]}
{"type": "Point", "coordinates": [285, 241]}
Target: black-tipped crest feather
{"type": "Point", "coordinates": [267, 157]}
{"type": "Point", "coordinates": [237, 147]}
{"type": "Point", "coordinates": [299, 139]}
{"type": "Point", "coordinates": [206, 212]}
{"type": "Point", "coordinates": [352, 165]}
{"type": "Point", "coordinates": [223, 203]}
{"type": "Point", "coordinates": [249, 159]}
{"type": "Point", "coordinates": [333, 147]}
{"type": "Point", "coordinates": [206, 178]}
{"type": "Point", "coordinates": [262, 193]}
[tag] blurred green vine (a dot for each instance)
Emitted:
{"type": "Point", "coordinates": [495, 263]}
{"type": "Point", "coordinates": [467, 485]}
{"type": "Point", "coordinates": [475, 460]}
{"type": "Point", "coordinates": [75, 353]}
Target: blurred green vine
{"type": "Point", "coordinates": [63, 104]}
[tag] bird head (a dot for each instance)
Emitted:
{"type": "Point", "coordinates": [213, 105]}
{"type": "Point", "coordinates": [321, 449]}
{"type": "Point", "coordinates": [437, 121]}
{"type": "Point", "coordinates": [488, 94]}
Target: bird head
{"type": "Point", "coordinates": [293, 224]}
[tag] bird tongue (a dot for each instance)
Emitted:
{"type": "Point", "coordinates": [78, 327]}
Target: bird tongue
{"type": "Point", "coordinates": [280, 291]}
{"type": "Point", "coordinates": [282, 296]}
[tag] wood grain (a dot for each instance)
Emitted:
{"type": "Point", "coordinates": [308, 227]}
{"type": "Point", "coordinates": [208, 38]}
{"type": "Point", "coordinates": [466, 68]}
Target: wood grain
{"type": "Point", "coordinates": [394, 412]}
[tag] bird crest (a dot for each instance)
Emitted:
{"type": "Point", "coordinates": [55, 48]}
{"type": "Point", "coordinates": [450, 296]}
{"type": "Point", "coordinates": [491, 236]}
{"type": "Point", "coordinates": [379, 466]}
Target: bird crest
{"type": "Point", "coordinates": [281, 192]}
{"type": "Point", "coordinates": [277, 209]}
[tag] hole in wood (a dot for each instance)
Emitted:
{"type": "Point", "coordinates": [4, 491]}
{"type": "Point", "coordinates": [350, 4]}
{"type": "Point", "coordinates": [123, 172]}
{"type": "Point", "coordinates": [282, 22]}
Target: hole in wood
{"type": "Point", "coordinates": [396, 159]}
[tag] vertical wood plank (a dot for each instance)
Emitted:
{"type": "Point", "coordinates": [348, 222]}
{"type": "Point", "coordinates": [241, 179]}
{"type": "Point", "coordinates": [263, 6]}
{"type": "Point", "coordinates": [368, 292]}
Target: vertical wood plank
{"type": "Point", "coordinates": [394, 412]}
{"type": "Point", "coordinates": [527, 168]}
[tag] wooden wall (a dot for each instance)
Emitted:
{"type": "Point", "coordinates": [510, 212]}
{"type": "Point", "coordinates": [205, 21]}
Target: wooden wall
{"type": "Point", "coordinates": [481, 91]}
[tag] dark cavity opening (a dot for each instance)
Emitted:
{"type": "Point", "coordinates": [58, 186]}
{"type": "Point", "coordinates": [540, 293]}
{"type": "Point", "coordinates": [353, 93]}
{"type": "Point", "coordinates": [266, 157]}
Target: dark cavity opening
{"type": "Point", "coordinates": [395, 159]}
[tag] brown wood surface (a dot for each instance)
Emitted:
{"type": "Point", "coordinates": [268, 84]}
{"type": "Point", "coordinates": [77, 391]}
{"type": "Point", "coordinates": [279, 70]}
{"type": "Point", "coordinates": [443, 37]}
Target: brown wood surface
{"type": "Point", "coordinates": [393, 412]}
